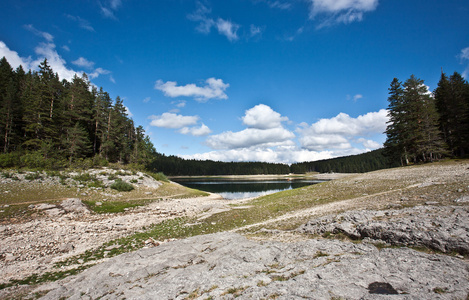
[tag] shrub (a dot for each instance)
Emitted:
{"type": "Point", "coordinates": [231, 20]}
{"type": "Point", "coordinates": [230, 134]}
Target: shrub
{"type": "Point", "coordinates": [121, 186]}
{"type": "Point", "coordinates": [159, 176]}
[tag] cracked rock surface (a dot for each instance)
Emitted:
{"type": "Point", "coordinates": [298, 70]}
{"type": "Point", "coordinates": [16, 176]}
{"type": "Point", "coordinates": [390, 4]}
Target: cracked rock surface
{"type": "Point", "coordinates": [441, 228]}
{"type": "Point", "coordinates": [228, 265]}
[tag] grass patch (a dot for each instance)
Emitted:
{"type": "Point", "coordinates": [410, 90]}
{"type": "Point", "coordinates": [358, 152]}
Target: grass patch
{"type": "Point", "coordinates": [46, 277]}
{"type": "Point", "coordinates": [115, 206]}
{"type": "Point", "coordinates": [159, 176]}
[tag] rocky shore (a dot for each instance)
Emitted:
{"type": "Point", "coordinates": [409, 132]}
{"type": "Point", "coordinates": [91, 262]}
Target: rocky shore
{"type": "Point", "coordinates": [404, 234]}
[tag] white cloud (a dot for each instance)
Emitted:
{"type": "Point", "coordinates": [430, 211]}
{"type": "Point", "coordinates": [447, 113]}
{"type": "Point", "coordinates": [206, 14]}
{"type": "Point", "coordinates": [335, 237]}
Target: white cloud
{"type": "Point", "coordinates": [56, 62]}
{"type": "Point", "coordinates": [196, 131]}
{"type": "Point", "coordinates": [286, 155]}
{"type": "Point", "coordinates": [146, 100]}
{"type": "Point", "coordinates": [224, 27]}
{"type": "Point", "coordinates": [263, 117]}
{"type": "Point", "coordinates": [228, 29]}
{"type": "Point", "coordinates": [83, 62]}
{"type": "Point", "coordinates": [47, 36]}
{"type": "Point", "coordinates": [339, 132]}
{"type": "Point", "coordinates": [66, 48]}
{"type": "Point", "coordinates": [214, 89]}
{"type": "Point", "coordinates": [109, 8]}
{"type": "Point", "coordinates": [128, 112]}
{"type": "Point", "coordinates": [264, 130]}
{"type": "Point", "coordinates": [251, 137]}
{"type": "Point", "coordinates": [341, 11]}
{"type": "Point", "coordinates": [200, 15]}
{"type": "Point", "coordinates": [13, 57]}
{"type": "Point", "coordinates": [465, 60]}
{"type": "Point", "coordinates": [99, 71]}
{"type": "Point", "coordinates": [171, 120]}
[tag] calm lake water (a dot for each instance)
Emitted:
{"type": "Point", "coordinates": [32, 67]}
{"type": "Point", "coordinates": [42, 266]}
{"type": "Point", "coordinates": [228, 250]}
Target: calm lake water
{"type": "Point", "coordinates": [240, 189]}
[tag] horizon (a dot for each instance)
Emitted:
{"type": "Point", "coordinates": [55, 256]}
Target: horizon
{"type": "Point", "coordinates": [243, 81]}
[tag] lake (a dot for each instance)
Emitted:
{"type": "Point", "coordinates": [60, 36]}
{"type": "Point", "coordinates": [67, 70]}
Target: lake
{"type": "Point", "coordinates": [232, 189]}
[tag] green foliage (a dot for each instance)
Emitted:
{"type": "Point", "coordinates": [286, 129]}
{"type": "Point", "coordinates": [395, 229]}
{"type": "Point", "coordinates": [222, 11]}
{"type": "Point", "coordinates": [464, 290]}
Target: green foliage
{"type": "Point", "coordinates": [112, 206]}
{"type": "Point", "coordinates": [122, 186]}
{"type": "Point", "coordinates": [413, 131]}
{"type": "Point", "coordinates": [159, 176]}
{"type": "Point", "coordinates": [366, 162]}
{"type": "Point", "coordinates": [46, 122]}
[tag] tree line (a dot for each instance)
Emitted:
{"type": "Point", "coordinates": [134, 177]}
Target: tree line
{"type": "Point", "coordinates": [360, 163]}
{"type": "Point", "coordinates": [425, 126]}
{"type": "Point", "coordinates": [46, 122]}
{"type": "Point", "coordinates": [175, 166]}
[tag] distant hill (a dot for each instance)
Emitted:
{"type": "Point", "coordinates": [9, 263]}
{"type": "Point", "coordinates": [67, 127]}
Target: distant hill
{"type": "Point", "coordinates": [366, 162]}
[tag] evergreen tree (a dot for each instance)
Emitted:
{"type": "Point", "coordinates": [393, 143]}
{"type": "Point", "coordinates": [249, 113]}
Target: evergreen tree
{"type": "Point", "coordinates": [452, 103]}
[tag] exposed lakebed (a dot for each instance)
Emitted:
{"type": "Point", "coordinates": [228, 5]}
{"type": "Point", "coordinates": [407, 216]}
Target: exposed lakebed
{"type": "Point", "coordinates": [240, 188]}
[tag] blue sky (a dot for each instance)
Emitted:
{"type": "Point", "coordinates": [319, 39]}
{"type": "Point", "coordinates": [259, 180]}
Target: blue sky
{"type": "Point", "coordinates": [245, 80]}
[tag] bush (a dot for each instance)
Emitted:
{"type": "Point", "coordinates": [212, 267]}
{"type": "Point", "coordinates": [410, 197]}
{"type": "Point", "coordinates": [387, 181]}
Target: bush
{"type": "Point", "coordinates": [121, 186]}
{"type": "Point", "coordinates": [159, 176]}
{"type": "Point", "coordinates": [9, 160]}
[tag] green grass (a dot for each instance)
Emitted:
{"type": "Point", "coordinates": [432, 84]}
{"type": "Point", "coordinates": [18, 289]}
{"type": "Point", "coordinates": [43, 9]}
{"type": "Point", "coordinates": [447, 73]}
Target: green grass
{"type": "Point", "coordinates": [116, 206]}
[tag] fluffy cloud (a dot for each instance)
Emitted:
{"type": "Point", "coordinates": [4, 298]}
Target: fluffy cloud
{"type": "Point", "coordinates": [228, 29]}
{"type": "Point", "coordinates": [214, 88]}
{"type": "Point", "coordinates": [341, 131]}
{"type": "Point", "coordinates": [196, 131]}
{"type": "Point", "coordinates": [109, 8]}
{"type": "Point", "coordinates": [13, 58]}
{"type": "Point", "coordinates": [267, 140]}
{"type": "Point", "coordinates": [264, 130]}
{"type": "Point", "coordinates": [342, 11]}
{"type": "Point", "coordinates": [83, 62]}
{"type": "Point", "coordinates": [56, 62]}
{"type": "Point", "coordinates": [171, 120]}
{"type": "Point", "coordinates": [263, 117]}
{"type": "Point", "coordinates": [251, 137]}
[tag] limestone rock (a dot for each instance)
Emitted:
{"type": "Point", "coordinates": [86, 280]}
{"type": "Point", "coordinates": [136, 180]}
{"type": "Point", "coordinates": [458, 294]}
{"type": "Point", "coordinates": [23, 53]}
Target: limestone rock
{"type": "Point", "coordinates": [74, 205]}
{"type": "Point", "coordinates": [445, 229]}
{"type": "Point", "coordinates": [228, 265]}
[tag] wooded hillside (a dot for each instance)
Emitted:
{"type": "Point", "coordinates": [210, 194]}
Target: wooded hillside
{"type": "Point", "coordinates": [49, 123]}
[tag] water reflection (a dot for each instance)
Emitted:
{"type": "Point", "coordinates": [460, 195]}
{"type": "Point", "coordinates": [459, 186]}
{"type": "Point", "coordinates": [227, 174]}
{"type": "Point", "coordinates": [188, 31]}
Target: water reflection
{"type": "Point", "coordinates": [240, 189]}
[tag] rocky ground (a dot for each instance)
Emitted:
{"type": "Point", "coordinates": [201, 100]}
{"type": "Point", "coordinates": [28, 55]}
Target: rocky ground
{"type": "Point", "coordinates": [399, 234]}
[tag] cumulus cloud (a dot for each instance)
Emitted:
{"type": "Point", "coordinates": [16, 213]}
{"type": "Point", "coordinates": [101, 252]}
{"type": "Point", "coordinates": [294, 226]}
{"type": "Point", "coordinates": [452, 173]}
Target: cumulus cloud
{"type": "Point", "coordinates": [251, 137]}
{"type": "Point", "coordinates": [343, 11]}
{"type": "Point", "coordinates": [339, 132]}
{"type": "Point", "coordinates": [263, 117]}
{"type": "Point", "coordinates": [214, 89]}
{"type": "Point", "coordinates": [174, 121]}
{"type": "Point", "coordinates": [13, 57]}
{"type": "Point", "coordinates": [83, 62]}
{"type": "Point", "coordinates": [196, 131]}
{"type": "Point", "coordinates": [56, 62]}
